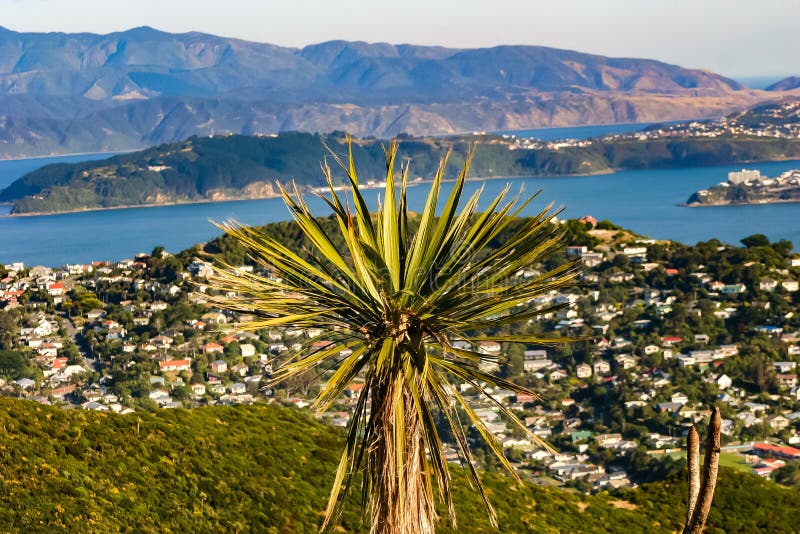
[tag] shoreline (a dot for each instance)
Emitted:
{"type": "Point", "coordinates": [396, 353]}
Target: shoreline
{"type": "Point", "coordinates": [591, 125]}
{"type": "Point", "coordinates": [211, 201]}
{"type": "Point", "coordinates": [130, 207]}
{"type": "Point", "coordinates": [448, 134]}
{"type": "Point", "coordinates": [72, 154]}
{"type": "Point", "coordinates": [466, 132]}
{"type": "Point", "coordinates": [542, 176]}
{"type": "Point", "coordinates": [720, 204]}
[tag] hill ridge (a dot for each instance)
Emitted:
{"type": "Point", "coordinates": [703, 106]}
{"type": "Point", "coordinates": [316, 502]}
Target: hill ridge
{"type": "Point", "coordinates": [787, 84]}
{"type": "Point", "coordinates": [116, 90]}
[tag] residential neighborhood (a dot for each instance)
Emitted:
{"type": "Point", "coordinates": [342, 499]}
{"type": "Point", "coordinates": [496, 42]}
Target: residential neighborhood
{"type": "Point", "coordinates": [778, 121]}
{"type": "Point", "coordinates": [665, 335]}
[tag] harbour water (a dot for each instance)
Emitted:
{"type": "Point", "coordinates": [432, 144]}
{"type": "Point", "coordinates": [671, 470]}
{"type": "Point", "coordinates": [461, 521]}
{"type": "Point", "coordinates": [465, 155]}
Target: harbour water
{"type": "Point", "coordinates": [645, 201]}
{"type": "Point", "coordinates": [581, 132]}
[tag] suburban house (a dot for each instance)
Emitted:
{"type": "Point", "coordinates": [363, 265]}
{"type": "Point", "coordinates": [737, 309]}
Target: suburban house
{"type": "Point", "coordinates": [583, 370]}
{"type": "Point", "coordinates": [219, 366]}
{"type": "Point", "coordinates": [210, 348]}
{"type": "Point", "coordinates": [535, 360]}
{"type": "Point", "coordinates": [601, 367]}
{"type": "Point", "coordinates": [175, 365]}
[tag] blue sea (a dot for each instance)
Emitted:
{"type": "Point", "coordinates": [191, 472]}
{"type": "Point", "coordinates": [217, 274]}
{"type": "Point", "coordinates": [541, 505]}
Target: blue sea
{"type": "Point", "coordinates": [581, 132]}
{"type": "Point", "coordinates": [644, 201]}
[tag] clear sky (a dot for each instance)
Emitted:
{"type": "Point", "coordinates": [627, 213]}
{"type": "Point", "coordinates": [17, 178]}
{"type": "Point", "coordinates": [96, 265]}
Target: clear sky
{"type": "Point", "coordinates": [733, 37]}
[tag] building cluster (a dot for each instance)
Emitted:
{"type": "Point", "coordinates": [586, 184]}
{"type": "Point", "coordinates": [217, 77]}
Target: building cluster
{"type": "Point", "coordinates": [745, 175]}
{"type": "Point", "coordinates": [781, 120]}
{"type": "Point", "coordinates": [758, 188]}
{"type": "Point", "coordinates": [753, 178]}
{"type": "Point", "coordinates": [118, 337]}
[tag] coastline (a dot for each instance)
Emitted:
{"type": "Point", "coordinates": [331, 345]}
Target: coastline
{"type": "Point", "coordinates": [542, 176]}
{"type": "Point", "coordinates": [132, 206]}
{"type": "Point", "coordinates": [783, 189]}
{"type": "Point", "coordinates": [723, 204]}
{"type": "Point", "coordinates": [446, 134]}
{"type": "Point", "coordinates": [71, 154]}
{"type": "Point", "coordinates": [212, 201]}
{"type": "Point", "coordinates": [590, 125]}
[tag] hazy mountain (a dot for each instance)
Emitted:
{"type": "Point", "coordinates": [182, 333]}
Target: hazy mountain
{"type": "Point", "coordinates": [787, 84]}
{"type": "Point", "coordinates": [86, 92]}
{"type": "Point", "coordinates": [144, 62]}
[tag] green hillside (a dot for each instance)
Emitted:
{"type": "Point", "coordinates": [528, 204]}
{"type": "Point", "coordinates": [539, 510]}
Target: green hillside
{"type": "Point", "coordinates": [237, 166]}
{"type": "Point", "coordinates": [230, 167]}
{"type": "Point", "coordinates": [269, 469]}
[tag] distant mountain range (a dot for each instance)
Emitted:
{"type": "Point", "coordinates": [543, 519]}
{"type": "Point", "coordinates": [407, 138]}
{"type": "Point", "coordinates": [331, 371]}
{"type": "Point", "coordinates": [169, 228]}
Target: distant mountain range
{"type": "Point", "coordinates": [64, 93]}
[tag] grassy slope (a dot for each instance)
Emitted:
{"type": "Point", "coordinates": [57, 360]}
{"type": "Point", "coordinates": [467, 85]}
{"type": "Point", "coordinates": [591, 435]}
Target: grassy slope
{"type": "Point", "coordinates": [268, 469]}
{"type": "Point", "coordinates": [728, 459]}
{"type": "Point", "coordinates": [734, 461]}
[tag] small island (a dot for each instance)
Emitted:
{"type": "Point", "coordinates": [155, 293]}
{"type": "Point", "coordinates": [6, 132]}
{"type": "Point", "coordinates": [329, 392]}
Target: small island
{"type": "Point", "coordinates": [750, 187]}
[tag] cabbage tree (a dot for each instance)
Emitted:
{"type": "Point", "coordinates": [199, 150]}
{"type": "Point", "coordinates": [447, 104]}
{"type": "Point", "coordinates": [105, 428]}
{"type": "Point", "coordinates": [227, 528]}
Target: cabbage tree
{"type": "Point", "coordinates": [405, 300]}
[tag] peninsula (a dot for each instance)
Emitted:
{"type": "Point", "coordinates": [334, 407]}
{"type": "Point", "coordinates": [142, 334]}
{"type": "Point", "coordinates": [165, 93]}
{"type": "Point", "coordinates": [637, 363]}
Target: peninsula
{"type": "Point", "coordinates": [749, 187]}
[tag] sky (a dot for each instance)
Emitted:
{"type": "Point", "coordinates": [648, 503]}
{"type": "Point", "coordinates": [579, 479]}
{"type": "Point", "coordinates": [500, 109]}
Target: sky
{"type": "Point", "coordinates": [737, 38]}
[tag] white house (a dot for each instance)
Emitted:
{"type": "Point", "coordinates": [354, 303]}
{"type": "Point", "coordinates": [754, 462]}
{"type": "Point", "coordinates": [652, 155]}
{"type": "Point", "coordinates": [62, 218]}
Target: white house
{"type": "Point", "coordinates": [558, 374]}
{"type": "Point", "coordinates": [583, 370]}
{"type": "Point", "coordinates": [625, 361]}
{"type": "Point", "coordinates": [724, 382]}
{"type": "Point", "coordinates": [767, 284]}
{"type": "Point", "coordinates": [601, 368]}
{"type": "Point", "coordinates": [535, 360]}
{"type": "Point", "coordinates": [790, 285]}
{"type": "Point", "coordinates": [159, 394]}
{"type": "Point", "coordinates": [238, 388]}
{"type": "Point", "coordinates": [491, 348]}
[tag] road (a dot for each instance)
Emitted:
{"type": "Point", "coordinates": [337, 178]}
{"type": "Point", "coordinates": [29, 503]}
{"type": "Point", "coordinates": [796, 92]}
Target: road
{"type": "Point", "coordinates": [88, 361]}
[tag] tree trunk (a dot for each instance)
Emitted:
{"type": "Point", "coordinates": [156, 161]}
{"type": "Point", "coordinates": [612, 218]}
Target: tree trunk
{"type": "Point", "coordinates": [401, 501]}
{"type": "Point", "coordinates": [693, 458]}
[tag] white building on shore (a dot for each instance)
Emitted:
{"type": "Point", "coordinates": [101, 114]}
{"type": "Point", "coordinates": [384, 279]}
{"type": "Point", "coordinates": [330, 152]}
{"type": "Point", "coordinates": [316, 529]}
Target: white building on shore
{"type": "Point", "coordinates": [745, 175]}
